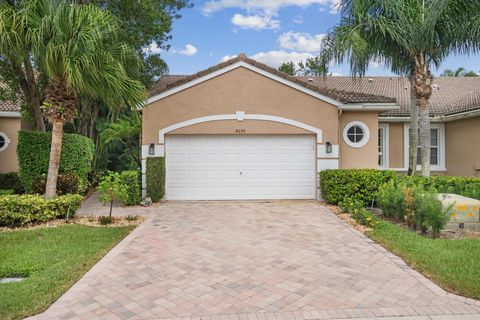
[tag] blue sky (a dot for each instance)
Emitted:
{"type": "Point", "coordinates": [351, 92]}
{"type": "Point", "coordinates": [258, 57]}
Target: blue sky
{"type": "Point", "coordinates": [270, 31]}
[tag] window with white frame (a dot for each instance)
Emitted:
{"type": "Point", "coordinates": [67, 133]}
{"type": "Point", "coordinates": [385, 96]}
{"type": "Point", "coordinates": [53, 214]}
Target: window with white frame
{"type": "Point", "coordinates": [356, 134]}
{"type": "Point", "coordinates": [383, 145]}
{"type": "Point", "coordinates": [4, 141]}
{"type": "Point", "coordinates": [437, 146]}
{"type": "Point", "coordinates": [434, 148]}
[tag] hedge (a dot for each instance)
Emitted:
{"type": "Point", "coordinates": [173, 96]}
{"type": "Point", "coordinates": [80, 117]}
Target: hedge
{"type": "Point", "coordinates": [155, 175]}
{"type": "Point", "coordinates": [131, 180]}
{"type": "Point", "coordinates": [363, 184]}
{"type": "Point", "coordinates": [359, 184]}
{"type": "Point", "coordinates": [33, 152]}
{"type": "Point", "coordinates": [66, 184]}
{"type": "Point", "coordinates": [18, 210]}
{"type": "Point", "coordinates": [10, 181]}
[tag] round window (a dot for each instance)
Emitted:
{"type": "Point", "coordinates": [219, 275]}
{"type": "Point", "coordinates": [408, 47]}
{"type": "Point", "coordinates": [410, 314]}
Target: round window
{"type": "Point", "coordinates": [356, 134]}
{"type": "Point", "coordinates": [4, 141]}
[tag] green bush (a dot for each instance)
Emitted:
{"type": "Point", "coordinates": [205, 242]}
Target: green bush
{"type": "Point", "coordinates": [429, 212]}
{"type": "Point", "coordinates": [358, 212]}
{"type": "Point", "coordinates": [17, 210]}
{"type": "Point", "coordinates": [391, 199]}
{"type": "Point", "coordinates": [10, 181]}
{"type": "Point", "coordinates": [6, 191]}
{"type": "Point", "coordinates": [33, 152]}
{"type": "Point", "coordinates": [131, 180]}
{"type": "Point", "coordinates": [360, 184]}
{"type": "Point", "coordinates": [66, 184]}
{"type": "Point", "coordinates": [155, 178]}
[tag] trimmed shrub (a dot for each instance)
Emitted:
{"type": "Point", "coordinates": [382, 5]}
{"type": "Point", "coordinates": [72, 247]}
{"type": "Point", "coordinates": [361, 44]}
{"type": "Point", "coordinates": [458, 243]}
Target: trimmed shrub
{"type": "Point", "coordinates": [6, 191]}
{"type": "Point", "coordinates": [155, 178]}
{"type": "Point", "coordinates": [33, 152]}
{"type": "Point", "coordinates": [10, 181]}
{"type": "Point", "coordinates": [359, 184]}
{"type": "Point", "coordinates": [18, 210]}
{"type": "Point", "coordinates": [131, 180]}
{"type": "Point", "coordinates": [66, 184]}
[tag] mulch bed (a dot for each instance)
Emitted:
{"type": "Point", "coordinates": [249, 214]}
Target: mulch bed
{"type": "Point", "coordinates": [88, 221]}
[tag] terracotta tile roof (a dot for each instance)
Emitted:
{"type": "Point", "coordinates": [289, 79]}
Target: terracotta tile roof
{"type": "Point", "coordinates": [450, 94]}
{"type": "Point", "coordinates": [345, 96]}
{"type": "Point", "coordinates": [7, 105]}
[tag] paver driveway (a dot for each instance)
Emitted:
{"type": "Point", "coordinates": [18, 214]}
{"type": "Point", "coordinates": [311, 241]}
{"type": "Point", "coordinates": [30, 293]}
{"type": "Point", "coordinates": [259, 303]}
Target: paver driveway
{"type": "Point", "coordinates": [251, 260]}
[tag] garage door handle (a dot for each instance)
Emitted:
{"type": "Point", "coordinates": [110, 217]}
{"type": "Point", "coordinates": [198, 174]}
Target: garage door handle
{"type": "Point", "coordinates": [241, 172]}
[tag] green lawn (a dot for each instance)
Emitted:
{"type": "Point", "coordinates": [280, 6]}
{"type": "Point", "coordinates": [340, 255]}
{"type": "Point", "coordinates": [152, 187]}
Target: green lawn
{"type": "Point", "coordinates": [452, 264]}
{"type": "Point", "coordinates": [53, 259]}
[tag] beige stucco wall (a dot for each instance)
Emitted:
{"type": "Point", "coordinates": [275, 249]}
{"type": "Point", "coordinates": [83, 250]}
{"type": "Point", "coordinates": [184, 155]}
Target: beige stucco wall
{"type": "Point", "coordinates": [240, 90]}
{"type": "Point", "coordinates": [231, 127]}
{"type": "Point", "coordinates": [395, 141]}
{"type": "Point", "coordinates": [462, 144]}
{"type": "Point", "coordinates": [366, 156]}
{"type": "Point", "coordinates": [8, 157]}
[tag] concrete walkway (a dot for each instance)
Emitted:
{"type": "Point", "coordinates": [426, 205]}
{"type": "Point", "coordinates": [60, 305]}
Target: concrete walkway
{"type": "Point", "coordinates": [291, 260]}
{"type": "Point", "coordinates": [93, 206]}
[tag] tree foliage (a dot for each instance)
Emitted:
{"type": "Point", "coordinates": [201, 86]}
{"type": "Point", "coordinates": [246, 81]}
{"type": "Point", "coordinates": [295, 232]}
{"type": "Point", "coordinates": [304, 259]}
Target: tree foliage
{"type": "Point", "coordinates": [410, 37]}
{"type": "Point", "coordinates": [289, 68]}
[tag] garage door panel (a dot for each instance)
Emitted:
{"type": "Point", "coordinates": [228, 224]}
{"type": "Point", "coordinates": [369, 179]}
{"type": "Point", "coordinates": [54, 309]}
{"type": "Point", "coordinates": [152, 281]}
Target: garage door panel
{"type": "Point", "coordinates": [204, 167]}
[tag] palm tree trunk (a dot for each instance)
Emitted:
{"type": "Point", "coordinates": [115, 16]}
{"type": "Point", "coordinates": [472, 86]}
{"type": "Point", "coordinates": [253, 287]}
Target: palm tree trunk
{"type": "Point", "coordinates": [424, 124]}
{"type": "Point", "coordinates": [413, 136]}
{"type": "Point", "coordinates": [422, 82]}
{"type": "Point", "coordinates": [55, 155]}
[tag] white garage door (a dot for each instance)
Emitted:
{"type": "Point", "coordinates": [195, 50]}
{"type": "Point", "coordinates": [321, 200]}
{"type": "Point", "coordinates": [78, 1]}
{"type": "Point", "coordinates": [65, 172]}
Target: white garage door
{"type": "Point", "coordinates": [213, 167]}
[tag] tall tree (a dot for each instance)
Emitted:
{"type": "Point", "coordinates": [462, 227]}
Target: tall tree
{"type": "Point", "coordinates": [410, 36]}
{"type": "Point", "coordinates": [75, 47]}
{"type": "Point", "coordinates": [16, 67]}
{"type": "Point", "coordinates": [313, 67]}
{"type": "Point", "coordinates": [288, 68]}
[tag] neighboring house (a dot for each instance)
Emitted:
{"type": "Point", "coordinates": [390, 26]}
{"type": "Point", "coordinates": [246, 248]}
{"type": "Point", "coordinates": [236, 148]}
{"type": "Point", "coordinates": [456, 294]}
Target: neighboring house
{"type": "Point", "coordinates": [10, 124]}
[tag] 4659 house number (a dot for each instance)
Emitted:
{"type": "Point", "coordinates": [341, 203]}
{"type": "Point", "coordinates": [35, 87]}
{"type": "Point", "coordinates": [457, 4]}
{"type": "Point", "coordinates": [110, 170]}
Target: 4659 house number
{"type": "Point", "coordinates": [240, 131]}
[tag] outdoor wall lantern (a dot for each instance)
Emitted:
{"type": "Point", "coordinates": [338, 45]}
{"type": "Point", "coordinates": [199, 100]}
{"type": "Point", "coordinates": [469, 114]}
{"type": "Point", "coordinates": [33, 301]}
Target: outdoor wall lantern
{"type": "Point", "coordinates": [151, 149]}
{"type": "Point", "coordinates": [328, 145]}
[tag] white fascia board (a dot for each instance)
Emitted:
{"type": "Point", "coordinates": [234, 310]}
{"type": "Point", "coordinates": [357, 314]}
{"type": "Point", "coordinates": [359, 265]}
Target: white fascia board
{"type": "Point", "coordinates": [370, 107]}
{"type": "Point", "coordinates": [10, 114]}
{"type": "Point", "coordinates": [247, 66]}
{"type": "Point", "coordinates": [448, 118]}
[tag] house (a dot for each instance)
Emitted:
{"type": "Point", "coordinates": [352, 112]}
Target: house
{"type": "Point", "coordinates": [243, 130]}
{"type": "Point", "coordinates": [10, 124]}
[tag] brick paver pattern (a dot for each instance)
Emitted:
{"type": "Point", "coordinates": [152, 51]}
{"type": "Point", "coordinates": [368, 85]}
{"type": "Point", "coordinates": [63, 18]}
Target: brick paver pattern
{"type": "Point", "coordinates": [251, 261]}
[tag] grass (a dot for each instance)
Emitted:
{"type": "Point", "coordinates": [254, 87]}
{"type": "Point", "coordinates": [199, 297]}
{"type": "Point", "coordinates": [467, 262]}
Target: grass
{"type": "Point", "coordinates": [53, 259]}
{"type": "Point", "coordinates": [452, 264]}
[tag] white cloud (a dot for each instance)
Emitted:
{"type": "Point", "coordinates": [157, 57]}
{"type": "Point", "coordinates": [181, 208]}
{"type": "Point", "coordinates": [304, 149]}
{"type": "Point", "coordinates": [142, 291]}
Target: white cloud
{"type": "Point", "coordinates": [298, 19]}
{"type": "Point", "coordinates": [227, 57]}
{"type": "Point", "coordinates": [267, 6]}
{"type": "Point", "coordinates": [275, 58]}
{"type": "Point", "coordinates": [189, 50]}
{"type": "Point", "coordinates": [256, 22]}
{"type": "Point", "coordinates": [303, 42]}
{"type": "Point", "coordinates": [153, 48]}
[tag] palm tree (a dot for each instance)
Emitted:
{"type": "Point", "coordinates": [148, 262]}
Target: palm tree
{"type": "Point", "coordinates": [75, 47]}
{"type": "Point", "coordinates": [125, 131]}
{"type": "Point", "coordinates": [411, 37]}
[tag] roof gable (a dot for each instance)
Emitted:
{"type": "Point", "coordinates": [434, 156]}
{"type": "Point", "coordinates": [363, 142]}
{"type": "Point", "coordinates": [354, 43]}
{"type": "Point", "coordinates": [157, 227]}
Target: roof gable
{"type": "Point", "coordinates": [175, 84]}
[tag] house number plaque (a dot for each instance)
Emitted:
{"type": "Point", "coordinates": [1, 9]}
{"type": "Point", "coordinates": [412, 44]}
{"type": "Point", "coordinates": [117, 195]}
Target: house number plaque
{"type": "Point", "coordinates": [240, 131]}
